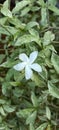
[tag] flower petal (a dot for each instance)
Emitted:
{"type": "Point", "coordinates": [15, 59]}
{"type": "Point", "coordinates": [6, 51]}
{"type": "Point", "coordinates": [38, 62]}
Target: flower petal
{"type": "Point", "coordinates": [23, 57]}
{"type": "Point", "coordinates": [20, 66]}
{"type": "Point", "coordinates": [36, 67]}
{"type": "Point", "coordinates": [33, 56]}
{"type": "Point", "coordinates": [28, 72]}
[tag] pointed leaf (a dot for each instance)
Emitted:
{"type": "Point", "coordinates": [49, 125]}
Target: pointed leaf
{"type": "Point", "coordinates": [31, 118]}
{"type": "Point", "coordinates": [55, 62]}
{"type": "Point", "coordinates": [2, 111]}
{"type": "Point", "coordinates": [9, 109]}
{"type": "Point", "coordinates": [48, 38]}
{"type": "Point", "coordinates": [34, 99]}
{"type": "Point", "coordinates": [53, 90]}
{"type": "Point", "coordinates": [20, 5]}
{"type": "Point", "coordinates": [48, 113]}
{"type": "Point", "coordinates": [24, 113]}
{"type": "Point", "coordinates": [5, 11]}
{"type": "Point", "coordinates": [42, 126]}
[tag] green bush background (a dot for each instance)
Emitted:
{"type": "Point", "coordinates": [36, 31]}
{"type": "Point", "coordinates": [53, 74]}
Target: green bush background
{"type": "Point", "coordinates": [33, 104]}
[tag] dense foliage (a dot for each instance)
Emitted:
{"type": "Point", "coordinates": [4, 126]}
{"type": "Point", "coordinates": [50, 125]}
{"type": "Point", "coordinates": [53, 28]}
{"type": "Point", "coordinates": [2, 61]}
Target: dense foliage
{"type": "Point", "coordinates": [33, 104]}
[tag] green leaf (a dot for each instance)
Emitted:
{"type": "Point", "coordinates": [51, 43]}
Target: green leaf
{"type": "Point", "coordinates": [8, 63]}
{"type": "Point", "coordinates": [18, 77]}
{"type": "Point", "coordinates": [20, 5]}
{"type": "Point", "coordinates": [34, 99]}
{"type": "Point", "coordinates": [15, 83]}
{"type": "Point", "coordinates": [53, 2]}
{"type": "Point", "coordinates": [8, 108]}
{"type": "Point", "coordinates": [48, 38]}
{"type": "Point", "coordinates": [2, 111]}
{"type": "Point", "coordinates": [44, 16]}
{"type": "Point", "coordinates": [38, 80]}
{"type": "Point", "coordinates": [18, 92]}
{"type": "Point", "coordinates": [42, 126]}
{"type": "Point", "coordinates": [27, 38]}
{"type": "Point", "coordinates": [24, 39]}
{"type": "Point", "coordinates": [2, 101]}
{"type": "Point", "coordinates": [5, 88]}
{"type": "Point", "coordinates": [11, 30]}
{"type": "Point", "coordinates": [48, 113]}
{"type": "Point", "coordinates": [2, 56]}
{"type": "Point", "coordinates": [4, 31]}
{"type": "Point", "coordinates": [55, 61]}
{"type": "Point", "coordinates": [24, 113]}
{"type": "Point", "coordinates": [51, 47]}
{"type": "Point", "coordinates": [2, 127]}
{"type": "Point", "coordinates": [41, 2]}
{"type": "Point", "coordinates": [54, 9]}
{"type": "Point", "coordinates": [33, 32]}
{"type": "Point", "coordinates": [5, 11]}
{"type": "Point", "coordinates": [31, 127]}
{"type": "Point", "coordinates": [31, 118]}
{"type": "Point", "coordinates": [3, 20]}
{"type": "Point", "coordinates": [25, 11]}
{"type": "Point", "coordinates": [31, 25]}
{"type": "Point", "coordinates": [9, 74]}
{"type": "Point", "coordinates": [53, 90]}
{"type": "Point", "coordinates": [44, 74]}
{"type": "Point", "coordinates": [17, 23]}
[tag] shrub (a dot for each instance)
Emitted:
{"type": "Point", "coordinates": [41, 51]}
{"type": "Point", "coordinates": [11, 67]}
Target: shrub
{"type": "Point", "coordinates": [29, 96]}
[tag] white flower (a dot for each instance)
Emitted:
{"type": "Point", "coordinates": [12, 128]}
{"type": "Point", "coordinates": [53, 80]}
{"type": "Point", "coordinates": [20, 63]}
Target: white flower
{"type": "Point", "coordinates": [28, 65]}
